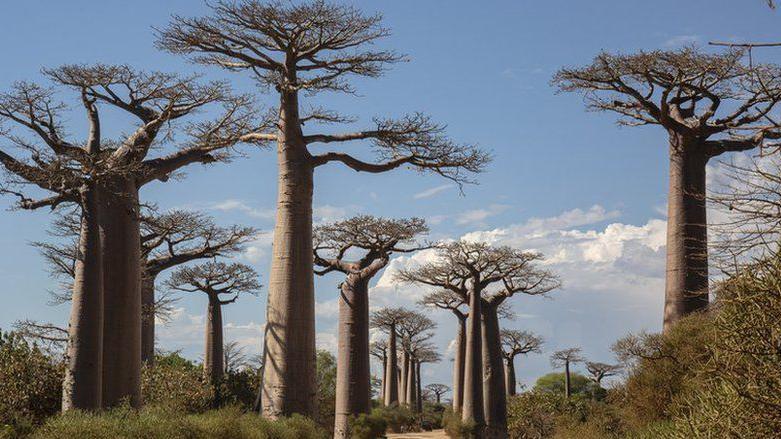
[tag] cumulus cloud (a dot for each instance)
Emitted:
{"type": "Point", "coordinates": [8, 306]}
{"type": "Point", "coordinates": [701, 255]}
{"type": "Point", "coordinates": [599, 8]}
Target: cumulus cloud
{"type": "Point", "coordinates": [478, 216]}
{"type": "Point", "coordinates": [428, 193]}
{"type": "Point", "coordinates": [238, 205]}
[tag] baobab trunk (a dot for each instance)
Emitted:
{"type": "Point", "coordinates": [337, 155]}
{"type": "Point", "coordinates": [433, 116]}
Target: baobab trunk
{"type": "Point", "coordinates": [411, 384]}
{"type": "Point", "coordinates": [391, 391]}
{"type": "Point", "coordinates": [458, 365]}
{"type": "Point", "coordinates": [472, 408]}
{"type": "Point", "coordinates": [494, 391]}
{"type": "Point", "coordinates": [384, 377]}
{"type": "Point", "coordinates": [148, 318]}
{"type": "Point", "coordinates": [418, 389]}
{"type": "Point", "coordinates": [404, 379]}
{"type": "Point", "coordinates": [289, 355]}
{"type": "Point", "coordinates": [686, 288]}
{"type": "Point", "coordinates": [121, 250]}
{"type": "Point", "coordinates": [567, 384]}
{"type": "Point", "coordinates": [83, 376]}
{"type": "Point", "coordinates": [509, 376]}
{"type": "Point", "coordinates": [353, 380]}
{"type": "Point", "coordinates": [213, 362]}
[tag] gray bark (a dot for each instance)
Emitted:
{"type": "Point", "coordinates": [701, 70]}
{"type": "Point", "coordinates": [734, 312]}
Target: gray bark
{"type": "Point", "coordinates": [148, 318]}
{"type": "Point", "coordinates": [494, 391]}
{"type": "Point", "coordinates": [472, 408]}
{"type": "Point", "coordinates": [510, 382]}
{"type": "Point", "coordinates": [213, 362]}
{"type": "Point", "coordinates": [458, 365]}
{"type": "Point", "coordinates": [391, 392]}
{"type": "Point", "coordinates": [567, 383]}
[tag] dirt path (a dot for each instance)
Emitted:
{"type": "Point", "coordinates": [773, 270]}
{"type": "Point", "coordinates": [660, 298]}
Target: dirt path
{"type": "Point", "coordinates": [436, 434]}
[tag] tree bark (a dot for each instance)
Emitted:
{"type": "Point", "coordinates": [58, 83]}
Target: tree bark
{"type": "Point", "coordinates": [122, 293]}
{"type": "Point", "coordinates": [384, 378]}
{"type": "Point", "coordinates": [213, 361]}
{"type": "Point", "coordinates": [510, 383]}
{"type": "Point", "coordinates": [472, 408]}
{"type": "Point", "coordinates": [418, 389]}
{"type": "Point", "coordinates": [567, 383]}
{"type": "Point", "coordinates": [410, 398]}
{"type": "Point", "coordinates": [353, 377]}
{"type": "Point", "coordinates": [148, 318]}
{"type": "Point", "coordinates": [404, 378]}
{"type": "Point", "coordinates": [686, 289]}
{"type": "Point", "coordinates": [82, 388]}
{"type": "Point", "coordinates": [391, 392]}
{"type": "Point", "coordinates": [289, 376]}
{"type": "Point", "coordinates": [458, 365]}
{"type": "Point", "coordinates": [494, 391]}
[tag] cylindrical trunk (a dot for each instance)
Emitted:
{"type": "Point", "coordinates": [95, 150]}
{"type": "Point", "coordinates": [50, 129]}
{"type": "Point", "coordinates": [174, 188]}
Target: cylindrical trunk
{"type": "Point", "coordinates": [289, 379]}
{"type": "Point", "coordinates": [213, 361]}
{"type": "Point", "coordinates": [510, 383]}
{"type": "Point", "coordinates": [121, 250]}
{"type": "Point", "coordinates": [82, 387]}
{"type": "Point", "coordinates": [384, 379]}
{"type": "Point", "coordinates": [458, 365]}
{"type": "Point", "coordinates": [391, 392]}
{"type": "Point", "coordinates": [472, 408]}
{"type": "Point", "coordinates": [353, 376]}
{"type": "Point", "coordinates": [567, 384]}
{"type": "Point", "coordinates": [686, 289]}
{"type": "Point", "coordinates": [494, 392]}
{"type": "Point", "coordinates": [418, 389]}
{"type": "Point", "coordinates": [404, 380]}
{"type": "Point", "coordinates": [410, 399]}
{"type": "Point", "coordinates": [148, 318]}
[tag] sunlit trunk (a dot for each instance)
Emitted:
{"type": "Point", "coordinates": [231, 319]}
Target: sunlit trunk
{"type": "Point", "coordinates": [472, 408]}
{"type": "Point", "coordinates": [494, 392]}
{"type": "Point", "coordinates": [391, 392]}
{"type": "Point", "coordinates": [458, 366]}
{"type": "Point", "coordinates": [510, 383]}
{"type": "Point", "coordinates": [213, 362]}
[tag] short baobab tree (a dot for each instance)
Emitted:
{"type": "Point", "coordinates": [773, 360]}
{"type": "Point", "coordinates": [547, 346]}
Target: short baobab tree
{"type": "Point", "coordinates": [565, 358]}
{"type": "Point", "coordinates": [709, 105]}
{"type": "Point", "coordinates": [438, 390]}
{"type": "Point", "coordinates": [414, 333]}
{"type": "Point", "coordinates": [468, 269]}
{"type": "Point", "coordinates": [516, 343]}
{"type": "Point", "coordinates": [359, 248]}
{"type": "Point", "coordinates": [309, 47]}
{"type": "Point", "coordinates": [379, 350]}
{"type": "Point", "coordinates": [216, 280]}
{"type": "Point", "coordinates": [388, 320]}
{"type": "Point", "coordinates": [599, 371]}
{"type": "Point", "coordinates": [421, 356]}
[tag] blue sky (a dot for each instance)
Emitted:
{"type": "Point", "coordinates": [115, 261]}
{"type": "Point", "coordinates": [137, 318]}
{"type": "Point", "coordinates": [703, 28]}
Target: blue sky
{"type": "Point", "coordinates": [566, 181]}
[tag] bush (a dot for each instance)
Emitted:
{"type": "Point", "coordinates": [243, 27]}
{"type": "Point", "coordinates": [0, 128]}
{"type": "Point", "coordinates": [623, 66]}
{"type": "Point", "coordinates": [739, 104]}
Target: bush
{"type": "Point", "coordinates": [398, 418]}
{"type": "Point", "coordinates": [240, 388]}
{"type": "Point", "coordinates": [166, 422]}
{"type": "Point", "coordinates": [178, 383]}
{"type": "Point", "coordinates": [369, 426]}
{"type": "Point", "coordinates": [431, 417]}
{"type": "Point", "coordinates": [556, 382]}
{"type": "Point", "coordinates": [455, 427]}
{"type": "Point", "coordinates": [30, 384]}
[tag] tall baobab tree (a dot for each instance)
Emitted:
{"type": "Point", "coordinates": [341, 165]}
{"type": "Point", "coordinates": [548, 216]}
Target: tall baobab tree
{"type": "Point", "coordinates": [709, 105]}
{"type": "Point", "coordinates": [600, 371]}
{"type": "Point", "coordinates": [309, 47]}
{"type": "Point", "coordinates": [516, 343]}
{"type": "Point", "coordinates": [216, 280]}
{"type": "Point", "coordinates": [387, 320]}
{"type": "Point", "coordinates": [371, 241]}
{"type": "Point", "coordinates": [414, 332]}
{"type": "Point", "coordinates": [379, 350]}
{"type": "Point", "coordinates": [438, 390]}
{"type": "Point", "coordinates": [88, 173]}
{"type": "Point", "coordinates": [452, 301]}
{"type": "Point", "coordinates": [425, 355]}
{"type": "Point", "coordinates": [565, 358]}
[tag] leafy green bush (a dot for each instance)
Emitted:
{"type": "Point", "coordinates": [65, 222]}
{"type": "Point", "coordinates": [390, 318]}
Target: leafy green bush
{"type": "Point", "coordinates": [30, 384]}
{"type": "Point", "coordinates": [166, 422]}
{"type": "Point", "coordinates": [431, 416]}
{"type": "Point", "coordinates": [555, 382]}
{"type": "Point", "coordinates": [398, 418]}
{"type": "Point", "coordinates": [368, 426]}
{"type": "Point", "coordinates": [326, 389]}
{"type": "Point", "coordinates": [455, 427]}
{"type": "Point", "coordinates": [176, 382]}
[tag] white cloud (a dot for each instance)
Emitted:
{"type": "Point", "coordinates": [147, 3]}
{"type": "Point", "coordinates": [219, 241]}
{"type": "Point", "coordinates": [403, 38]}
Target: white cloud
{"type": "Point", "coordinates": [327, 309]}
{"type": "Point", "coordinates": [260, 247]}
{"type": "Point", "coordinates": [238, 205]}
{"type": "Point", "coordinates": [478, 216]}
{"type": "Point", "coordinates": [432, 191]}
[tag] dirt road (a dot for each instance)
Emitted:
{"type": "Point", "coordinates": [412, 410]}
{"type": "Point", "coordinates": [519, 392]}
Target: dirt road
{"type": "Point", "coordinates": [436, 434]}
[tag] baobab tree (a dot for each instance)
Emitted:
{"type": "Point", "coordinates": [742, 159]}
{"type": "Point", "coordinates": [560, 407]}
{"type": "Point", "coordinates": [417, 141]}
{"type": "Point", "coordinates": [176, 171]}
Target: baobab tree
{"type": "Point", "coordinates": [387, 320]}
{"type": "Point", "coordinates": [564, 358]}
{"type": "Point", "coordinates": [379, 350]}
{"type": "Point", "coordinates": [600, 371]}
{"type": "Point", "coordinates": [371, 241]}
{"type": "Point", "coordinates": [91, 174]}
{"type": "Point", "coordinates": [516, 343]}
{"type": "Point", "coordinates": [425, 355]}
{"type": "Point", "coordinates": [309, 47]}
{"type": "Point", "coordinates": [438, 390]}
{"type": "Point", "coordinates": [709, 105]}
{"type": "Point", "coordinates": [414, 331]}
{"type": "Point", "coordinates": [453, 302]}
{"type": "Point", "coordinates": [216, 280]}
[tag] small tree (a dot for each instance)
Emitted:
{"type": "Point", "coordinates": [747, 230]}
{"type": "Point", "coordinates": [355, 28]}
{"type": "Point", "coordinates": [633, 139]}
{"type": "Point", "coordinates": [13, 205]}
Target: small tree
{"type": "Point", "coordinates": [415, 332]}
{"type": "Point", "coordinates": [215, 279]}
{"type": "Point", "coordinates": [379, 350]}
{"type": "Point", "coordinates": [373, 241]}
{"type": "Point", "coordinates": [516, 343]}
{"type": "Point", "coordinates": [438, 390]}
{"type": "Point", "coordinates": [565, 358]}
{"type": "Point", "coordinates": [600, 371]}
{"type": "Point", "coordinates": [423, 355]}
{"type": "Point", "coordinates": [708, 105]}
{"type": "Point", "coordinates": [387, 320]}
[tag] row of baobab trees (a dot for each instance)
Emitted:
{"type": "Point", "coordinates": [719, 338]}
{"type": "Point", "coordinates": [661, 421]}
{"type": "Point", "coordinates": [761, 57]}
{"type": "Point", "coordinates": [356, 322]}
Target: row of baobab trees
{"type": "Point", "coordinates": [707, 103]}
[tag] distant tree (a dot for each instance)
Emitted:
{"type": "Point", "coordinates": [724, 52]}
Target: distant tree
{"type": "Point", "coordinates": [387, 320]}
{"type": "Point", "coordinates": [414, 331]}
{"type": "Point", "coordinates": [600, 371]}
{"type": "Point", "coordinates": [423, 355]}
{"type": "Point", "coordinates": [379, 350]}
{"type": "Point", "coordinates": [326, 387]}
{"type": "Point", "coordinates": [555, 383]}
{"type": "Point", "coordinates": [438, 390]}
{"type": "Point", "coordinates": [516, 343]}
{"type": "Point", "coordinates": [565, 358]}
{"type": "Point", "coordinates": [709, 105]}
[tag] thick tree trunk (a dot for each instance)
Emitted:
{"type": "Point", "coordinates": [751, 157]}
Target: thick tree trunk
{"type": "Point", "coordinates": [353, 379]}
{"type": "Point", "coordinates": [686, 288]}
{"type": "Point", "coordinates": [510, 383]}
{"type": "Point", "coordinates": [384, 378]}
{"type": "Point", "coordinates": [289, 376]}
{"type": "Point", "coordinates": [213, 361]}
{"type": "Point", "coordinates": [391, 392]}
{"type": "Point", "coordinates": [567, 383]}
{"type": "Point", "coordinates": [410, 399]}
{"type": "Point", "coordinates": [472, 408]}
{"type": "Point", "coordinates": [418, 389]}
{"type": "Point", "coordinates": [148, 318]}
{"type": "Point", "coordinates": [82, 387]}
{"type": "Point", "coordinates": [122, 293]}
{"type": "Point", "coordinates": [458, 366]}
{"type": "Point", "coordinates": [404, 380]}
{"type": "Point", "coordinates": [494, 391]}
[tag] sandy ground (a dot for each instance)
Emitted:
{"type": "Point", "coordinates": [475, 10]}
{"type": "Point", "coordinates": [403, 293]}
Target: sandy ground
{"type": "Point", "coordinates": [436, 434]}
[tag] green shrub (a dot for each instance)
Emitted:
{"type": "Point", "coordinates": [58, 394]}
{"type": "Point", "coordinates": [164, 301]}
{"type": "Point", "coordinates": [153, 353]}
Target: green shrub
{"type": "Point", "coordinates": [326, 389]}
{"type": "Point", "coordinates": [176, 382]}
{"type": "Point", "coordinates": [454, 427]}
{"type": "Point", "coordinates": [431, 416]}
{"type": "Point", "coordinates": [240, 388]}
{"type": "Point", "coordinates": [368, 426]}
{"type": "Point", "coordinates": [30, 384]}
{"type": "Point", "coordinates": [398, 418]}
{"type": "Point", "coordinates": [555, 382]}
{"type": "Point", "coordinates": [169, 423]}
